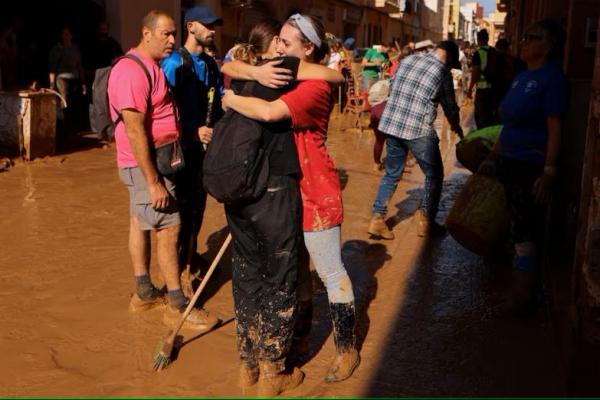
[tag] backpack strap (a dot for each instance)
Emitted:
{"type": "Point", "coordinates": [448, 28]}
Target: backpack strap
{"type": "Point", "coordinates": [146, 72]}
{"type": "Point", "coordinates": [186, 58]}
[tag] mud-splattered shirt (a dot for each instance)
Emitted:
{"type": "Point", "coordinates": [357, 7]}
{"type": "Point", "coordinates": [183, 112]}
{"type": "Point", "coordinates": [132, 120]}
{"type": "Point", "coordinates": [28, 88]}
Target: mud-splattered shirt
{"type": "Point", "coordinates": [310, 105]}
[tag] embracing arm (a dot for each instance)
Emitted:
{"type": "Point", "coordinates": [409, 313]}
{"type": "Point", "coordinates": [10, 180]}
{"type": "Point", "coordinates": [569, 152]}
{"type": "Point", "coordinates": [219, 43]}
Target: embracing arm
{"type": "Point", "coordinates": [268, 74]}
{"type": "Point", "coordinates": [308, 71]}
{"type": "Point", "coordinates": [258, 109]}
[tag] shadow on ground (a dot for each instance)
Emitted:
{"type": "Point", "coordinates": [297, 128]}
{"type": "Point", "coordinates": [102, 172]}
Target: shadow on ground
{"type": "Point", "coordinates": [444, 341]}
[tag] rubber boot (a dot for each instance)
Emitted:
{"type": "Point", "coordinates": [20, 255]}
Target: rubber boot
{"type": "Point", "coordinates": [347, 358]}
{"type": "Point", "coordinates": [248, 375]}
{"type": "Point", "coordinates": [379, 229]}
{"type": "Point", "coordinates": [274, 380]}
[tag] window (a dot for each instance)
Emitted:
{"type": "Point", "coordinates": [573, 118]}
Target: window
{"type": "Point", "coordinates": [591, 32]}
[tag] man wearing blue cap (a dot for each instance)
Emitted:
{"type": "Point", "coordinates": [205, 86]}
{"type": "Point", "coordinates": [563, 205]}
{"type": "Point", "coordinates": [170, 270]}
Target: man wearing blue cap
{"type": "Point", "coordinates": [195, 79]}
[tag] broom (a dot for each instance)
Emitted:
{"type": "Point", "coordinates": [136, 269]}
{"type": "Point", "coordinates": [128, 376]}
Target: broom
{"type": "Point", "coordinates": [162, 357]}
{"type": "Point", "coordinates": [187, 281]}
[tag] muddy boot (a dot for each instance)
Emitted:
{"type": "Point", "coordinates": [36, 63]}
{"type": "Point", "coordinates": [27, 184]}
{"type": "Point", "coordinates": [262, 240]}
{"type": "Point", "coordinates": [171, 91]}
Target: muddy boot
{"type": "Point", "coordinates": [248, 375]}
{"type": "Point", "coordinates": [198, 319]}
{"type": "Point", "coordinates": [346, 359]}
{"type": "Point", "coordinates": [274, 380]}
{"type": "Point", "coordinates": [300, 343]}
{"type": "Point", "coordinates": [378, 229]}
{"type": "Point", "coordinates": [146, 297]}
{"type": "Point", "coordinates": [427, 226]}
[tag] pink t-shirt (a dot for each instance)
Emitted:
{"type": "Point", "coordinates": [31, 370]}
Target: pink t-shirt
{"type": "Point", "coordinates": [128, 88]}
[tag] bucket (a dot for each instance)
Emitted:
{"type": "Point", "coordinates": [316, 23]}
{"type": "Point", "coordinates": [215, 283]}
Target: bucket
{"type": "Point", "coordinates": [479, 216]}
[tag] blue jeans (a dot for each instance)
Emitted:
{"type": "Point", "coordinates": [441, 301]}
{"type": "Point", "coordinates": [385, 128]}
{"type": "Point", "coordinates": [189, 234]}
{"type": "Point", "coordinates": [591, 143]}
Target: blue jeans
{"type": "Point", "coordinates": [427, 153]}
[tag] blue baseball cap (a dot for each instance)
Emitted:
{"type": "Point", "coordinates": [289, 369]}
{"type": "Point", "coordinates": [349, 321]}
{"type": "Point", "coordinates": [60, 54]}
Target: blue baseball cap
{"type": "Point", "coordinates": [349, 43]}
{"type": "Point", "coordinates": [202, 14]}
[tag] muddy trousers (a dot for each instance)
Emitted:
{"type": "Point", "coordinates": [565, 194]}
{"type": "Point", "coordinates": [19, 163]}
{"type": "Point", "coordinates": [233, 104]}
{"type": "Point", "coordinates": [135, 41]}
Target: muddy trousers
{"type": "Point", "coordinates": [266, 237]}
{"type": "Point", "coordinates": [192, 202]}
{"type": "Point", "coordinates": [324, 247]}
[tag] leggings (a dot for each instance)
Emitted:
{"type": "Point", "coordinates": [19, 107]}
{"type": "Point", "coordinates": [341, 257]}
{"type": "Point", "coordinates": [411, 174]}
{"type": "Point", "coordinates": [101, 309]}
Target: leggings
{"type": "Point", "coordinates": [325, 250]}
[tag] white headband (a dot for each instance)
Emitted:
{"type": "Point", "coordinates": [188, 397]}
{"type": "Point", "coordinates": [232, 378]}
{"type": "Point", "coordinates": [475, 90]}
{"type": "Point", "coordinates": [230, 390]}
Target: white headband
{"type": "Point", "coordinates": [307, 29]}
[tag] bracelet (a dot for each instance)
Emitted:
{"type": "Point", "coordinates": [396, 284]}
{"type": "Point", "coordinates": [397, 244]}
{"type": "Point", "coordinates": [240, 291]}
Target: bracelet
{"type": "Point", "coordinates": [550, 170]}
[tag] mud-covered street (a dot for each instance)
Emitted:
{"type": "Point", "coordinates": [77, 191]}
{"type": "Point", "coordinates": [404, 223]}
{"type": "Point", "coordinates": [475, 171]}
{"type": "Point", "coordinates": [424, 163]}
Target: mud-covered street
{"type": "Point", "coordinates": [425, 326]}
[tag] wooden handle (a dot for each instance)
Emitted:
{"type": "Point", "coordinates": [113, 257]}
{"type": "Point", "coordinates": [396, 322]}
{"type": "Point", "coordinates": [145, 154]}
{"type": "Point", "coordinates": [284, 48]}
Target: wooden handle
{"type": "Point", "coordinates": [202, 285]}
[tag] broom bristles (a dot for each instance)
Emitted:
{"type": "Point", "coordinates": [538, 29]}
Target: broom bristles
{"type": "Point", "coordinates": [162, 357]}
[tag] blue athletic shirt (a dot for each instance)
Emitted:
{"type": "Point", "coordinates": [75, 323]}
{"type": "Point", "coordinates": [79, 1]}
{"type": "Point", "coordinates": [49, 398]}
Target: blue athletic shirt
{"type": "Point", "coordinates": [533, 96]}
{"type": "Point", "coordinates": [191, 91]}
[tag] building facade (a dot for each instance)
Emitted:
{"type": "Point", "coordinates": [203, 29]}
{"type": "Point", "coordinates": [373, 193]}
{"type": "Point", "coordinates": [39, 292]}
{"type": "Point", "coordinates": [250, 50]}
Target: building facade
{"type": "Point", "coordinates": [573, 263]}
{"type": "Point", "coordinates": [370, 22]}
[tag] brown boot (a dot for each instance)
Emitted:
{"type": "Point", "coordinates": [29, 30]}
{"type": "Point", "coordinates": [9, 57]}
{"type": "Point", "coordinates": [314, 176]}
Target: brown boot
{"type": "Point", "coordinates": [427, 226]}
{"type": "Point", "coordinates": [346, 360]}
{"type": "Point", "coordinates": [343, 366]}
{"type": "Point", "coordinates": [153, 299]}
{"type": "Point", "coordinates": [378, 229]}
{"type": "Point", "coordinates": [198, 319]}
{"type": "Point", "coordinates": [248, 375]}
{"type": "Point", "coordinates": [273, 380]}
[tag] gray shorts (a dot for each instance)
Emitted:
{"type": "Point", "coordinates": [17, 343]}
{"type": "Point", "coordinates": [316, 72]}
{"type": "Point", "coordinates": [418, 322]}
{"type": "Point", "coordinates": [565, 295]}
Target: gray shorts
{"type": "Point", "coordinates": [140, 203]}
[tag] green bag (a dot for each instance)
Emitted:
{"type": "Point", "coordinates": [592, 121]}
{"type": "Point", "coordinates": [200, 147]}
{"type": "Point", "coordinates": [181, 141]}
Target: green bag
{"type": "Point", "coordinates": [476, 146]}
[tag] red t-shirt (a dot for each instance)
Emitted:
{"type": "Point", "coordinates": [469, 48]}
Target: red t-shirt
{"type": "Point", "coordinates": [310, 106]}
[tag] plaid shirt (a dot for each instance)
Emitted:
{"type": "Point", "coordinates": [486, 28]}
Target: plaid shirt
{"type": "Point", "coordinates": [420, 83]}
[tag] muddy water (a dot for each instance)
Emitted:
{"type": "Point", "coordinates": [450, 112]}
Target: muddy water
{"type": "Point", "coordinates": [66, 280]}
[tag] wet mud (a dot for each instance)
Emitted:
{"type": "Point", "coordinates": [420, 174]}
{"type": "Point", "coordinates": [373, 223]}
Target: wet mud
{"type": "Point", "coordinates": [424, 326]}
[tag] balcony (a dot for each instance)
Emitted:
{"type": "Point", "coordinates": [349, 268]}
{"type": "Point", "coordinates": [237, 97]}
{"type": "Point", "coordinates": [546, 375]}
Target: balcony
{"type": "Point", "coordinates": [503, 5]}
{"type": "Point", "coordinates": [388, 6]}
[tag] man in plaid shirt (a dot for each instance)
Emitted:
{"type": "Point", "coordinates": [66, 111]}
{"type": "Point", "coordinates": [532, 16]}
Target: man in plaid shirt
{"type": "Point", "coordinates": [419, 85]}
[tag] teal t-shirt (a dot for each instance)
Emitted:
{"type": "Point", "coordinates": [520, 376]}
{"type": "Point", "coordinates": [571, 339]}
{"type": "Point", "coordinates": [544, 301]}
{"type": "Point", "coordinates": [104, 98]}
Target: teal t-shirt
{"type": "Point", "coordinates": [372, 55]}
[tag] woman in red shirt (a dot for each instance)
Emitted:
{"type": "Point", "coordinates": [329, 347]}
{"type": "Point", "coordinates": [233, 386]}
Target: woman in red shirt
{"type": "Point", "coordinates": [308, 106]}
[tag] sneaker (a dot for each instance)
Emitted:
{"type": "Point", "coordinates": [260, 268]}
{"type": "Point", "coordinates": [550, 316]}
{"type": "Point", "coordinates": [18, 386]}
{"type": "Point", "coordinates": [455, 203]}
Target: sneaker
{"type": "Point", "coordinates": [378, 229]}
{"type": "Point", "coordinates": [198, 319]}
{"type": "Point", "coordinates": [154, 300]}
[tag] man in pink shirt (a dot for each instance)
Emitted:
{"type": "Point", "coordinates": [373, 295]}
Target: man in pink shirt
{"type": "Point", "coordinates": [141, 103]}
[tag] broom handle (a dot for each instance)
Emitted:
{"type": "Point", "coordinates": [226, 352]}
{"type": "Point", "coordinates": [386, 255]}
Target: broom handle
{"type": "Point", "coordinates": [202, 285]}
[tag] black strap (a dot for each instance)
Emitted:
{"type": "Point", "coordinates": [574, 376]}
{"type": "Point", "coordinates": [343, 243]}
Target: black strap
{"type": "Point", "coordinates": [146, 72]}
{"type": "Point", "coordinates": [186, 58]}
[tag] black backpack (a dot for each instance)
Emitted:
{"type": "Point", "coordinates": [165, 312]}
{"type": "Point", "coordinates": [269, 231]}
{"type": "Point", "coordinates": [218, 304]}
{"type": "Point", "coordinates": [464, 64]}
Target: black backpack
{"type": "Point", "coordinates": [100, 119]}
{"type": "Point", "coordinates": [492, 69]}
{"type": "Point", "coordinates": [236, 163]}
